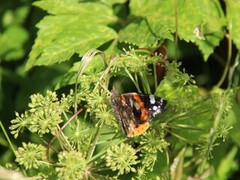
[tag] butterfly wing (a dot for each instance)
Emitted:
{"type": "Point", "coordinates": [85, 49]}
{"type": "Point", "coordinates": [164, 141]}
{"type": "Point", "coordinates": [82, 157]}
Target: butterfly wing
{"type": "Point", "coordinates": [134, 111]}
{"type": "Point", "coordinates": [145, 107]}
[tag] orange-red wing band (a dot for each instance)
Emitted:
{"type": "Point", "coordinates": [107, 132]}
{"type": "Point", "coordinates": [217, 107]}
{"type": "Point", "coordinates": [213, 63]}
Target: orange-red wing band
{"type": "Point", "coordinates": [139, 130]}
{"type": "Point", "coordinates": [144, 112]}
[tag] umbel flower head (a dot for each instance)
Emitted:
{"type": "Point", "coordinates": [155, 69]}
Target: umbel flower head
{"type": "Point", "coordinates": [71, 165]}
{"type": "Point", "coordinates": [31, 155]}
{"type": "Point", "coordinates": [121, 157]}
{"type": "Point", "coordinates": [44, 114]}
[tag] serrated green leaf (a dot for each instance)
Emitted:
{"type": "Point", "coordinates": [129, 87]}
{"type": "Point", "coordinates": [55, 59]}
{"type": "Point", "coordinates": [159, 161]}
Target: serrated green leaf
{"type": "Point", "coordinates": [212, 27]}
{"type": "Point", "coordinates": [150, 26]}
{"type": "Point", "coordinates": [209, 43]}
{"type": "Point", "coordinates": [60, 46]}
{"type": "Point", "coordinates": [233, 14]}
{"type": "Point", "coordinates": [208, 16]}
{"type": "Point", "coordinates": [143, 35]}
{"type": "Point", "coordinates": [75, 29]}
{"type": "Point", "coordinates": [158, 22]}
{"type": "Point", "coordinates": [87, 11]}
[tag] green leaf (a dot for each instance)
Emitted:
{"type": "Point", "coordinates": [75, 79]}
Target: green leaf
{"type": "Point", "coordinates": [228, 163]}
{"type": "Point", "coordinates": [94, 65]}
{"type": "Point", "coordinates": [75, 29]}
{"type": "Point", "coordinates": [158, 23]}
{"type": "Point", "coordinates": [86, 12]}
{"type": "Point", "coordinates": [177, 165]}
{"type": "Point", "coordinates": [13, 16]}
{"type": "Point", "coordinates": [208, 45]}
{"type": "Point", "coordinates": [112, 2]}
{"type": "Point", "coordinates": [71, 76]}
{"type": "Point", "coordinates": [12, 41]}
{"type": "Point", "coordinates": [233, 7]}
{"type": "Point", "coordinates": [212, 28]}
{"type": "Point", "coordinates": [149, 26]}
{"type": "Point", "coordinates": [234, 121]}
{"type": "Point", "coordinates": [139, 33]}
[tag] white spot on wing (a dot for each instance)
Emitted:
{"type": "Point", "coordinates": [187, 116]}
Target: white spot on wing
{"type": "Point", "coordinates": [152, 99]}
{"type": "Point", "coordinates": [154, 108]}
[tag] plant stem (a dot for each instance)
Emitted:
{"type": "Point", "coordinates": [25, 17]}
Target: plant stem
{"type": "Point", "coordinates": [176, 28]}
{"type": "Point", "coordinates": [145, 83]}
{"type": "Point", "coordinates": [134, 82]}
{"type": "Point", "coordinates": [90, 152]}
{"type": "Point", "coordinates": [7, 137]}
{"type": "Point", "coordinates": [11, 145]}
{"type": "Point", "coordinates": [155, 76]}
{"type": "Point", "coordinates": [229, 56]}
{"type": "Point", "coordinates": [61, 129]}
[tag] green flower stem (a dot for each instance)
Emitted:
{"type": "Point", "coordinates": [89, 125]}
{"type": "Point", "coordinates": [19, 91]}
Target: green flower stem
{"type": "Point", "coordinates": [145, 83]}
{"type": "Point", "coordinates": [177, 136]}
{"type": "Point", "coordinates": [155, 76]}
{"type": "Point", "coordinates": [103, 151]}
{"type": "Point", "coordinates": [11, 145]}
{"type": "Point", "coordinates": [94, 143]}
{"type": "Point", "coordinates": [144, 51]}
{"type": "Point", "coordinates": [229, 56]}
{"type": "Point", "coordinates": [104, 78]}
{"type": "Point", "coordinates": [61, 129]}
{"type": "Point", "coordinates": [134, 82]}
{"type": "Point", "coordinates": [208, 151]}
{"type": "Point", "coordinates": [136, 78]}
{"type": "Point", "coordinates": [7, 137]}
{"type": "Point", "coordinates": [232, 69]}
{"type": "Point", "coordinates": [63, 140]}
{"type": "Point", "coordinates": [176, 29]}
{"type": "Point", "coordinates": [212, 138]}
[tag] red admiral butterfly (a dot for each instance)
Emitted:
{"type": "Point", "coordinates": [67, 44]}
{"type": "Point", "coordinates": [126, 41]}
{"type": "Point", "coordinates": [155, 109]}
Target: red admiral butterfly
{"type": "Point", "coordinates": [134, 111]}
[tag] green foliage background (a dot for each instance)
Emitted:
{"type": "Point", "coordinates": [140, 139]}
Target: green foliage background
{"type": "Point", "coordinates": [49, 71]}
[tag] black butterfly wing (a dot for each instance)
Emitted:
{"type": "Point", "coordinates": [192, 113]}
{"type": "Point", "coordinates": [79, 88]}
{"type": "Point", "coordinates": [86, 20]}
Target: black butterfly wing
{"type": "Point", "coordinates": [144, 106]}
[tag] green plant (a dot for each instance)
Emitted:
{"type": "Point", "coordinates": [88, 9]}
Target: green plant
{"type": "Point", "coordinates": [76, 135]}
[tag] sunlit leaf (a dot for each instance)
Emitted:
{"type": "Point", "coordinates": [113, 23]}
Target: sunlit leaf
{"type": "Point", "coordinates": [233, 7]}
{"type": "Point", "coordinates": [74, 28]}
{"type": "Point", "coordinates": [157, 22]}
